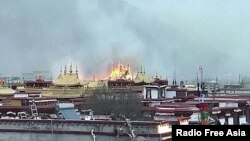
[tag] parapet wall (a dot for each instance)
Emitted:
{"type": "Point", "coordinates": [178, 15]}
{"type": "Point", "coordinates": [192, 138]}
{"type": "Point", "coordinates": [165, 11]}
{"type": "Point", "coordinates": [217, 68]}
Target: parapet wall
{"type": "Point", "coordinates": [106, 128]}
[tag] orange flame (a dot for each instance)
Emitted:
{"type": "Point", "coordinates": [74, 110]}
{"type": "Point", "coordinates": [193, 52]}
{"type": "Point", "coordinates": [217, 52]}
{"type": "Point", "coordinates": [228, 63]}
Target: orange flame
{"type": "Point", "coordinates": [120, 71]}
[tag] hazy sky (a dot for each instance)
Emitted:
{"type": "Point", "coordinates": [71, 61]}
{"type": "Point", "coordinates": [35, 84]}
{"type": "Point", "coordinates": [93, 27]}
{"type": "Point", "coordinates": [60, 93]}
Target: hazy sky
{"type": "Point", "coordinates": [162, 35]}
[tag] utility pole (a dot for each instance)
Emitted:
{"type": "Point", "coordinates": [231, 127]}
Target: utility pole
{"type": "Point", "coordinates": [204, 108]}
{"type": "Point", "coordinates": [202, 83]}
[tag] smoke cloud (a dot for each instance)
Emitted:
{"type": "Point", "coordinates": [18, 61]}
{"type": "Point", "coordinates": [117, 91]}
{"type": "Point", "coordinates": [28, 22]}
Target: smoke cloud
{"type": "Point", "coordinates": [163, 36]}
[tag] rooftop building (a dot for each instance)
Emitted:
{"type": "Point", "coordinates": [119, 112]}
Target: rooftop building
{"type": "Point", "coordinates": [68, 78]}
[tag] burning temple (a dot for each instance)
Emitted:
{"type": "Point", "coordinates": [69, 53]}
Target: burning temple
{"type": "Point", "coordinates": [120, 72]}
{"type": "Point", "coordinates": [122, 76]}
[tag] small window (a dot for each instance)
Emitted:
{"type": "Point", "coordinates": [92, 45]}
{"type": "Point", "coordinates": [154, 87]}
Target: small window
{"type": "Point", "coordinates": [159, 93]}
{"type": "Point", "coordinates": [163, 93]}
{"type": "Point", "coordinates": [148, 93]}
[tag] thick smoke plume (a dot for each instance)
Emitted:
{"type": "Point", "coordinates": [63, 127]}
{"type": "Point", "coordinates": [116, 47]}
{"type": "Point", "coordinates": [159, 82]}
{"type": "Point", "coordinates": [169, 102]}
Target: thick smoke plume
{"type": "Point", "coordinates": [163, 36]}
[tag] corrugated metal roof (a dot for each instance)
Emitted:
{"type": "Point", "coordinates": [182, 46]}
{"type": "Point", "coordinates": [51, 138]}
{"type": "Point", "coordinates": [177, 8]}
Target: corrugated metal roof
{"type": "Point", "coordinates": [69, 114]}
{"type": "Point", "coordinates": [67, 111]}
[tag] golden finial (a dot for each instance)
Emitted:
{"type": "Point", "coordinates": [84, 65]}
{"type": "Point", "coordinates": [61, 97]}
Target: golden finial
{"type": "Point", "coordinates": [65, 69]}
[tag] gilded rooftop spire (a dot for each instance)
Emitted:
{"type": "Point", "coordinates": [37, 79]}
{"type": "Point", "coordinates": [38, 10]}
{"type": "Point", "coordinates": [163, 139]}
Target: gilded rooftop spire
{"type": "Point", "coordinates": [61, 70]}
{"type": "Point", "coordinates": [70, 71]}
{"type": "Point", "coordinates": [65, 69]}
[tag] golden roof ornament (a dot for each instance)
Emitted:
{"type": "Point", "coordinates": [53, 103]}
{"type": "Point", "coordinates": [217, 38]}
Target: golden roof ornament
{"type": "Point", "coordinates": [77, 72]}
{"type": "Point", "coordinates": [61, 70]}
{"type": "Point", "coordinates": [70, 70]}
{"type": "Point", "coordinates": [65, 70]}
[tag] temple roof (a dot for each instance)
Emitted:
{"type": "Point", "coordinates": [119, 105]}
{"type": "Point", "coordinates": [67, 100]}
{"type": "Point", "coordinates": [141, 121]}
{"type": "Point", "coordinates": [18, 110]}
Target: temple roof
{"type": "Point", "coordinates": [6, 90]}
{"type": "Point", "coordinates": [120, 72]}
{"type": "Point", "coordinates": [142, 77]}
{"type": "Point", "coordinates": [68, 78]}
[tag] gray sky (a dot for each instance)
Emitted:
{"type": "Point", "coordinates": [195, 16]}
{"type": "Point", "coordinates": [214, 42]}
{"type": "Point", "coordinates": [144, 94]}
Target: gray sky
{"type": "Point", "coordinates": [161, 35]}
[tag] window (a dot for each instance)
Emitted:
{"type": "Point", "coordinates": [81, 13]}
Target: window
{"type": "Point", "coordinates": [148, 93]}
{"type": "Point", "coordinates": [163, 93]}
{"type": "Point", "coordinates": [159, 93]}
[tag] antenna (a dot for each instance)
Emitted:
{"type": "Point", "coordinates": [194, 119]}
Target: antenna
{"type": "Point", "coordinates": [201, 72]}
{"type": "Point", "coordinates": [175, 82]}
{"type": "Point", "coordinates": [173, 78]}
{"type": "Point", "coordinates": [239, 79]}
{"type": "Point", "coordinates": [202, 83]}
{"type": "Point", "coordinates": [198, 84]}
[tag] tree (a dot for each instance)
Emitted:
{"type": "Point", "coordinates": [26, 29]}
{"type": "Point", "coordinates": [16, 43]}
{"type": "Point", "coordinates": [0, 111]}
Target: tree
{"type": "Point", "coordinates": [111, 102]}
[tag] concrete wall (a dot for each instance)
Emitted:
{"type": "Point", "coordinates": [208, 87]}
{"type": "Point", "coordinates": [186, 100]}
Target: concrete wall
{"type": "Point", "coordinates": [9, 136]}
{"type": "Point", "coordinates": [15, 103]}
{"type": "Point", "coordinates": [56, 130]}
{"type": "Point", "coordinates": [228, 104]}
{"type": "Point", "coordinates": [72, 127]}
